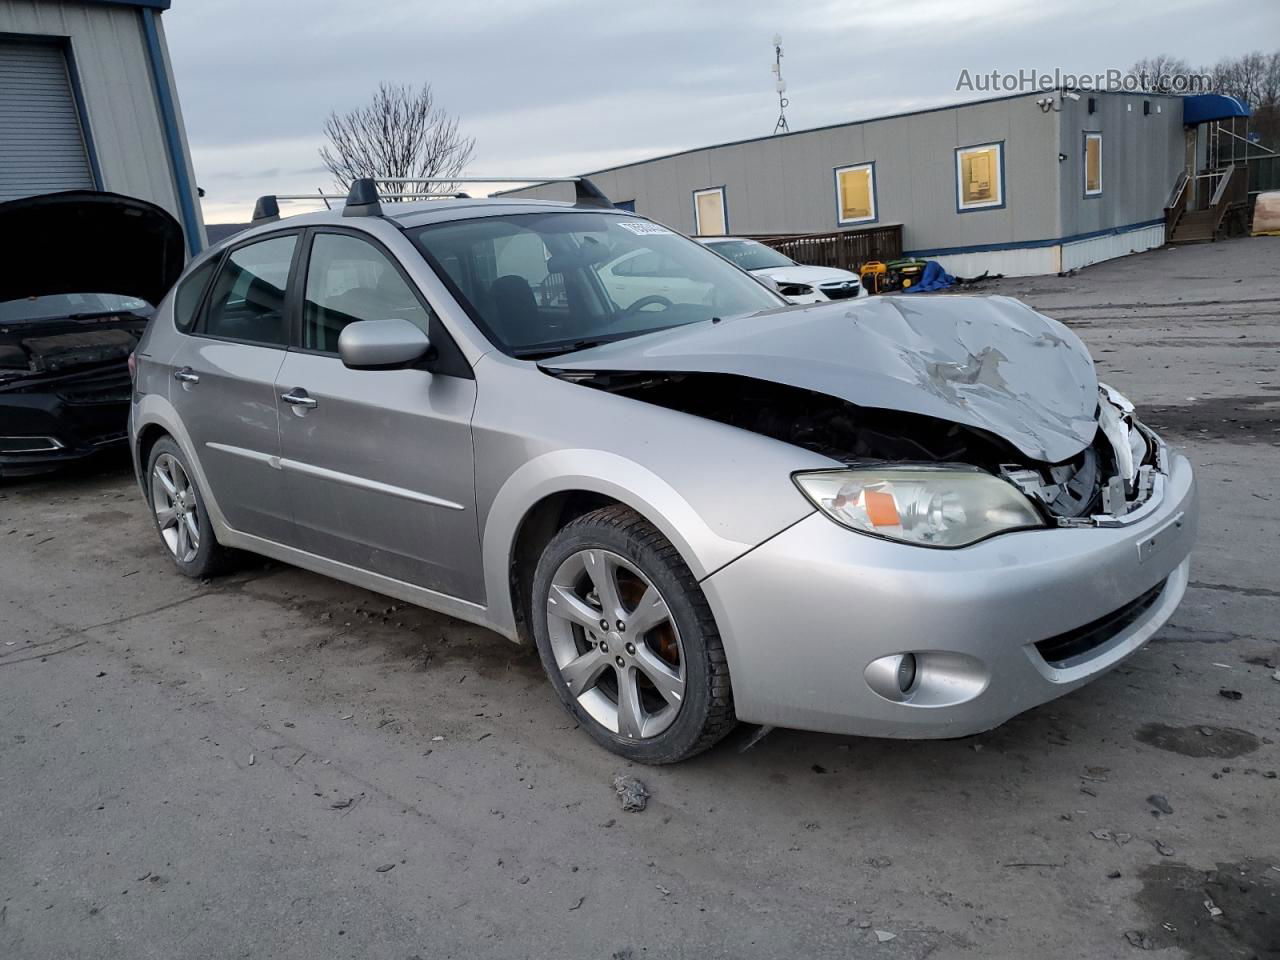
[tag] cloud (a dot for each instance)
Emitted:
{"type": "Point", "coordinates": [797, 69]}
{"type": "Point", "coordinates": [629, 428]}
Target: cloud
{"type": "Point", "coordinates": [557, 87]}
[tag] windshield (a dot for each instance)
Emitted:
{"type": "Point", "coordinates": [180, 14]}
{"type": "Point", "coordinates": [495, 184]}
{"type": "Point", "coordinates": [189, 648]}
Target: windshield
{"type": "Point", "coordinates": [68, 305]}
{"type": "Point", "coordinates": [750, 254]}
{"type": "Point", "coordinates": [546, 283]}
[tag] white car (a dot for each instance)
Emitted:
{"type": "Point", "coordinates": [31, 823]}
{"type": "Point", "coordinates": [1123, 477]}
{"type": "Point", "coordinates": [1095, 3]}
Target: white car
{"type": "Point", "coordinates": [797, 282]}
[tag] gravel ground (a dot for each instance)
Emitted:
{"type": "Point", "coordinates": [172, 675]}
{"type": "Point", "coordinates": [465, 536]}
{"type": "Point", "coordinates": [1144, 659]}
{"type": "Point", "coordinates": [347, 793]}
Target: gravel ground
{"type": "Point", "coordinates": [276, 765]}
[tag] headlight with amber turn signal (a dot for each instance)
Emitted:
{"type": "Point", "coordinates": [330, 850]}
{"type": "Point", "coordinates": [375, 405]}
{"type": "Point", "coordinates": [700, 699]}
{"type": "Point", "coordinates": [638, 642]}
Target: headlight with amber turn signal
{"type": "Point", "coordinates": [929, 506]}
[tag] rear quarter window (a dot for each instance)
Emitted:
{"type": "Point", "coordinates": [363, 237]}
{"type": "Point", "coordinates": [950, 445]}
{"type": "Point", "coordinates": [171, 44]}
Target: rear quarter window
{"type": "Point", "coordinates": [190, 291]}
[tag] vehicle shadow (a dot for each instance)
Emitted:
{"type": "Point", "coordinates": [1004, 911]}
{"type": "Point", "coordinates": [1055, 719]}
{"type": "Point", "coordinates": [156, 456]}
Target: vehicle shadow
{"type": "Point", "coordinates": [108, 466]}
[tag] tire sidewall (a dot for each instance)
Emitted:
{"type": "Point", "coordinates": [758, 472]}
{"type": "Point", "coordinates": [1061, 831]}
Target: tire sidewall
{"type": "Point", "coordinates": [678, 739]}
{"type": "Point", "coordinates": [202, 563]}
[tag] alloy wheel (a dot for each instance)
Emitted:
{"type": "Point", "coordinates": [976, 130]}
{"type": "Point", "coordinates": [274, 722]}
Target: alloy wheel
{"type": "Point", "coordinates": [173, 496]}
{"type": "Point", "coordinates": [616, 644]}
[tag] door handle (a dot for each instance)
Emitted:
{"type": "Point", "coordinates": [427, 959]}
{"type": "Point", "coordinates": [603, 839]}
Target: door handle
{"type": "Point", "coordinates": [186, 375]}
{"type": "Point", "coordinates": [298, 397]}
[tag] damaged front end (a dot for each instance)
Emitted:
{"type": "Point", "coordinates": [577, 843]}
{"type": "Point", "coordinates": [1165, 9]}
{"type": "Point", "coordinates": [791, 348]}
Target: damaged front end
{"type": "Point", "coordinates": [1112, 480]}
{"type": "Point", "coordinates": [955, 384]}
{"type": "Point", "coordinates": [1119, 478]}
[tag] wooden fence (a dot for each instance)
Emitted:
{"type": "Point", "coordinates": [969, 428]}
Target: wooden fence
{"type": "Point", "coordinates": [846, 250]}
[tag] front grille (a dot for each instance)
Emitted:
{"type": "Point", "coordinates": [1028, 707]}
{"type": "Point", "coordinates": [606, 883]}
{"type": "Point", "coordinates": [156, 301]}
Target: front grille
{"type": "Point", "coordinates": [840, 291]}
{"type": "Point", "coordinates": [114, 387]}
{"type": "Point", "coordinates": [1060, 650]}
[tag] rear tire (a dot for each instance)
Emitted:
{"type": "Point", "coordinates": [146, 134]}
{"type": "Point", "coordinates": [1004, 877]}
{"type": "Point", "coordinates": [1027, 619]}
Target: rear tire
{"type": "Point", "coordinates": [628, 641]}
{"type": "Point", "coordinates": [177, 508]}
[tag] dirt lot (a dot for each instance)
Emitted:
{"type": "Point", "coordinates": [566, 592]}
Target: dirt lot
{"type": "Point", "coordinates": [274, 765]}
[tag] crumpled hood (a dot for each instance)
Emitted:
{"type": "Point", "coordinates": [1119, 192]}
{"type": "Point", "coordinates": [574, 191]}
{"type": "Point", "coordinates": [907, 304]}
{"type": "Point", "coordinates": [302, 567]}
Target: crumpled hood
{"type": "Point", "coordinates": [986, 362]}
{"type": "Point", "coordinates": [83, 241]}
{"type": "Point", "coordinates": [803, 274]}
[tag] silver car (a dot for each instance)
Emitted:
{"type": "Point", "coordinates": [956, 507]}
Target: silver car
{"type": "Point", "coordinates": [893, 517]}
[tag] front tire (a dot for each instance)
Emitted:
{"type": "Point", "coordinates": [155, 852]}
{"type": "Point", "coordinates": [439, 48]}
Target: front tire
{"type": "Point", "coordinates": [177, 508]}
{"type": "Point", "coordinates": [628, 640]}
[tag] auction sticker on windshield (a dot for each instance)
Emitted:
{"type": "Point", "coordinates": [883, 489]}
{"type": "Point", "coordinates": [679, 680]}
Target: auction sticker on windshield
{"type": "Point", "coordinates": [642, 228]}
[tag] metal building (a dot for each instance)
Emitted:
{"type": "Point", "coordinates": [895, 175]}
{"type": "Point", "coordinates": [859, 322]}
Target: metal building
{"type": "Point", "coordinates": [87, 101]}
{"type": "Point", "coordinates": [1028, 184]}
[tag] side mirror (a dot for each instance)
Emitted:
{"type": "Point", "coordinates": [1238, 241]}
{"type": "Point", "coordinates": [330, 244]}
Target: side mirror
{"type": "Point", "coordinates": [769, 282]}
{"type": "Point", "coordinates": [381, 344]}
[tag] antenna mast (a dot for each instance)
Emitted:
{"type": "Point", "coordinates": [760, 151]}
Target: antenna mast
{"type": "Point", "coordinates": [780, 85]}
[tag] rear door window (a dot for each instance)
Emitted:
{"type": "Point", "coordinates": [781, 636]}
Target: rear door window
{"type": "Point", "coordinates": [248, 297]}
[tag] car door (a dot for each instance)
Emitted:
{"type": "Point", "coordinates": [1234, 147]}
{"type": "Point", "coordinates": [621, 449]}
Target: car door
{"type": "Point", "coordinates": [647, 273]}
{"type": "Point", "coordinates": [224, 389]}
{"type": "Point", "coordinates": [378, 463]}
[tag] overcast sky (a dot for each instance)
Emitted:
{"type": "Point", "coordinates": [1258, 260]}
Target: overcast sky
{"type": "Point", "coordinates": [552, 87]}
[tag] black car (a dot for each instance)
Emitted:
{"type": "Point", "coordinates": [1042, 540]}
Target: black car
{"type": "Point", "coordinates": [77, 283]}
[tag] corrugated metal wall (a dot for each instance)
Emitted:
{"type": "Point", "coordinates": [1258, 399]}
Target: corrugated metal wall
{"type": "Point", "coordinates": [109, 52]}
{"type": "Point", "coordinates": [41, 146]}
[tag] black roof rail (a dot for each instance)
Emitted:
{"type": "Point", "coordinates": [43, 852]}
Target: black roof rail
{"type": "Point", "coordinates": [585, 193]}
{"type": "Point", "coordinates": [365, 200]}
{"type": "Point", "coordinates": [266, 209]}
{"type": "Point", "coordinates": [362, 199]}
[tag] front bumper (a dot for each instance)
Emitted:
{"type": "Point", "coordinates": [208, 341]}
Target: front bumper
{"type": "Point", "coordinates": [804, 615]}
{"type": "Point", "coordinates": [41, 430]}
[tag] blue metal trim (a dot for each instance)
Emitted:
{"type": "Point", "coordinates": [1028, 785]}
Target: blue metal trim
{"type": "Point", "coordinates": [875, 197]}
{"type": "Point", "coordinates": [1004, 200]}
{"type": "Point", "coordinates": [1206, 107]}
{"type": "Point", "coordinates": [1084, 165]}
{"type": "Point", "coordinates": [1032, 244]}
{"type": "Point", "coordinates": [77, 94]}
{"type": "Point", "coordinates": [724, 208]}
{"type": "Point", "coordinates": [172, 136]}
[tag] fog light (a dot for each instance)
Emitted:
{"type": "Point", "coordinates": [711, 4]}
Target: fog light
{"type": "Point", "coordinates": [927, 678]}
{"type": "Point", "coordinates": [29, 444]}
{"type": "Point", "coordinates": [907, 672]}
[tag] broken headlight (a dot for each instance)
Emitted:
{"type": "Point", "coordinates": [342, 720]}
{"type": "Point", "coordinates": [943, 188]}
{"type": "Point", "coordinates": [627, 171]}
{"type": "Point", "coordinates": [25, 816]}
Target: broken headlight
{"type": "Point", "coordinates": [929, 506]}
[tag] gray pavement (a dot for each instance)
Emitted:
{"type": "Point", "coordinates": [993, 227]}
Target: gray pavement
{"type": "Point", "coordinates": [275, 765]}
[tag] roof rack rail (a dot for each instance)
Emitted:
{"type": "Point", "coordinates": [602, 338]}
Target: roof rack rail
{"type": "Point", "coordinates": [365, 199]}
{"type": "Point", "coordinates": [267, 209]}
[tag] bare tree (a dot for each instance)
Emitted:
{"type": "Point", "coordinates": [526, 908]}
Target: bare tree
{"type": "Point", "coordinates": [400, 133]}
{"type": "Point", "coordinates": [1160, 68]}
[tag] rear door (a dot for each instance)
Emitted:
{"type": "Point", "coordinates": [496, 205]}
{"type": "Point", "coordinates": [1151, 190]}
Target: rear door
{"type": "Point", "coordinates": [224, 387]}
{"type": "Point", "coordinates": [378, 462]}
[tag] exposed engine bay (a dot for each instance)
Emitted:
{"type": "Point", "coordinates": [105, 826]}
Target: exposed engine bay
{"type": "Point", "coordinates": [35, 350]}
{"type": "Point", "coordinates": [1105, 481]}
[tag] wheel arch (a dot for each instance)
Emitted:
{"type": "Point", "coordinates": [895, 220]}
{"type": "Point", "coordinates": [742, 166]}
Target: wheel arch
{"type": "Point", "coordinates": [549, 491]}
{"type": "Point", "coordinates": [148, 436]}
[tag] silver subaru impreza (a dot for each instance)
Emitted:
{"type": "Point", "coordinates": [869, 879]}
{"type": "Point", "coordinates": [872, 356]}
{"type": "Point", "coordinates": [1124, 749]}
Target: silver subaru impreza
{"type": "Point", "coordinates": [894, 517]}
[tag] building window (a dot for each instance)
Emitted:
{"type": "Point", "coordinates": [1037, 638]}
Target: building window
{"type": "Point", "coordinates": [856, 194]}
{"type": "Point", "coordinates": [980, 177]}
{"type": "Point", "coordinates": [1093, 164]}
{"type": "Point", "coordinates": [709, 213]}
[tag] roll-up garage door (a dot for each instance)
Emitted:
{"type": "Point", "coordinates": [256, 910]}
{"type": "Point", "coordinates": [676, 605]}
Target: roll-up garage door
{"type": "Point", "coordinates": [42, 147]}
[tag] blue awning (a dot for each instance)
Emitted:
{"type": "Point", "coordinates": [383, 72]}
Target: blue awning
{"type": "Point", "coordinates": [1205, 107]}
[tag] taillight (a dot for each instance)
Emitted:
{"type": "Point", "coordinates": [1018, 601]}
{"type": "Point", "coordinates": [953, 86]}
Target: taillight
{"type": "Point", "coordinates": [133, 367]}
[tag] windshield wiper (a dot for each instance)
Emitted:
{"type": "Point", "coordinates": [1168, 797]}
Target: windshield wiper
{"type": "Point", "coordinates": [92, 314]}
{"type": "Point", "coordinates": [539, 353]}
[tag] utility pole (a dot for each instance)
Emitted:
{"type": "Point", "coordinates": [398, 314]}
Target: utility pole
{"type": "Point", "coordinates": [780, 85]}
